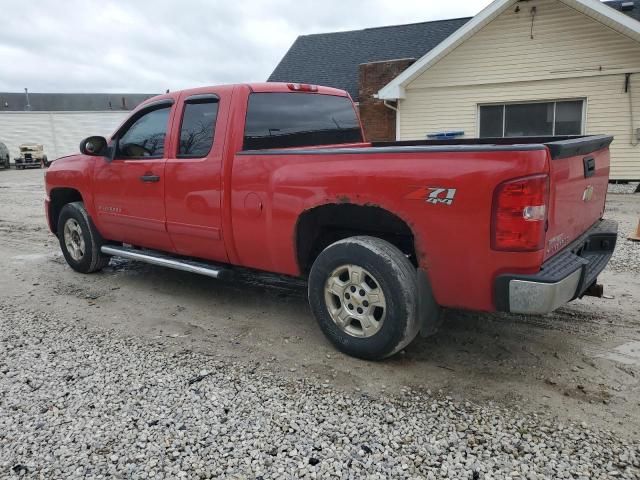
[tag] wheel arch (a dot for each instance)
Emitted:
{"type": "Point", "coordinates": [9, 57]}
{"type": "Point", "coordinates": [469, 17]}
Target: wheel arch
{"type": "Point", "coordinates": [59, 197]}
{"type": "Point", "coordinates": [320, 226]}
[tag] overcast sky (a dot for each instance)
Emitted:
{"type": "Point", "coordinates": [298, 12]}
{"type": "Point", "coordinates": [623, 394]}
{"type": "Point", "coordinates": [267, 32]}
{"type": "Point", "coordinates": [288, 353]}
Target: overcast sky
{"type": "Point", "coordinates": [151, 45]}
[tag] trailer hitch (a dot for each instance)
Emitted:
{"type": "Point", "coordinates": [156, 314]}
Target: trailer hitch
{"type": "Point", "coordinates": [595, 290]}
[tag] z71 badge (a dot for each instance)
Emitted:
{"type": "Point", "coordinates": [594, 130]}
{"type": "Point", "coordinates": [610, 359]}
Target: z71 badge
{"type": "Point", "coordinates": [434, 195]}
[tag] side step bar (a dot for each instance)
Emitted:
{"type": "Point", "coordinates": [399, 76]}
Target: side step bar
{"type": "Point", "coordinates": [163, 260]}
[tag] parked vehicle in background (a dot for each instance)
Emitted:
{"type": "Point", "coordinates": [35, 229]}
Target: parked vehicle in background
{"type": "Point", "coordinates": [31, 156]}
{"type": "Point", "coordinates": [4, 156]}
{"type": "Point", "coordinates": [278, 177]}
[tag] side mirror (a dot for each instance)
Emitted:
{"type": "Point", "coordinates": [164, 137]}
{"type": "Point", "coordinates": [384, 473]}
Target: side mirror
{"type": "Point", "coordinates": [95, 146]}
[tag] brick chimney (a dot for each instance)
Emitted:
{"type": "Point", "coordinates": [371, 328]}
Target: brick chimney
{"type": "Point", "coordinates": [379, 121]}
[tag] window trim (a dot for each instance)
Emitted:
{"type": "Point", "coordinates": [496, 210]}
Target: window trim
{"type": "Point", "coordinates": [583, 120]}
{"type": "Point", "coordinates": [191, 100]}
{"type": "Point", "coordinates": [148, 108]}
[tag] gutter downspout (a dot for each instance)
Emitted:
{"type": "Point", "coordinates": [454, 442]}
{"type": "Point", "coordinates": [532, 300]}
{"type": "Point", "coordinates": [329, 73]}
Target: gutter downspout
{"type": "Point", "coordinates": [388, 105]}
{"type": "Point", "coordinates": [395, 109]}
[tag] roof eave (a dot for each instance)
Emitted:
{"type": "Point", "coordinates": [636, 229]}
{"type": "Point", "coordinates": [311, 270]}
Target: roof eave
{"type": "Point", "coordinates": [624, 24]}
{"type": "Point", "coordinates": [391, 92]}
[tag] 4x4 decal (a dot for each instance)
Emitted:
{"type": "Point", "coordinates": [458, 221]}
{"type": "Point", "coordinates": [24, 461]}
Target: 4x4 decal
{"type": "Point", "coordinates": [434, 195]}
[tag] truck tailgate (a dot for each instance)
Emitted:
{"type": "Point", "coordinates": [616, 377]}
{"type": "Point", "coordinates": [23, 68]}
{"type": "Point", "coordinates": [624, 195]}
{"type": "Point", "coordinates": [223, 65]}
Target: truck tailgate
{"type": "Point", "coordinates": [579, 176]}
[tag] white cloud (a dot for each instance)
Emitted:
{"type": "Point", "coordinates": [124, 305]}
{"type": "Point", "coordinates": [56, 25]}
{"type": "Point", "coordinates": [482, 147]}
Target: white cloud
{"type": "Point", "coordinates": [149, 46]}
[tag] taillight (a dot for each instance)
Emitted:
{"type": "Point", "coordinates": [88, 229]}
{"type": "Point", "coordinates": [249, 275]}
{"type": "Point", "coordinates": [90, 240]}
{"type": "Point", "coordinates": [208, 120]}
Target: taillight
{"type": "Point", "coordinates": [302, 87]}
{"type": "Point", "coordinates": [519, 214]}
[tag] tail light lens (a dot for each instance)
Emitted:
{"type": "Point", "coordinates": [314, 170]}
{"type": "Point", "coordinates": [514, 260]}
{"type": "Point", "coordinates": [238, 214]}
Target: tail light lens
{"type": "Point", "coordinates": [519, 215]}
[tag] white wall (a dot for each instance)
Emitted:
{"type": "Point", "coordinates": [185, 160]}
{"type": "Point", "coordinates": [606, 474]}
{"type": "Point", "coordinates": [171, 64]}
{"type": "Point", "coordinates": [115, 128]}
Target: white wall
{"type": "Point", "coordinates": [59, 132]}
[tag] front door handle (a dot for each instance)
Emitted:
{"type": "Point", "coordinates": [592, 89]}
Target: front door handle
{"type": "Point", "coordinates": [150, 178]}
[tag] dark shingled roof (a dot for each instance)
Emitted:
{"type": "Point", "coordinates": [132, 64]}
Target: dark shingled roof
{"type": "Point", "coordinates": [633, 13]}
{"type": "Point", "coordinates": [71, 102]}
{"type": "Point", "coordinates": [332, 59]}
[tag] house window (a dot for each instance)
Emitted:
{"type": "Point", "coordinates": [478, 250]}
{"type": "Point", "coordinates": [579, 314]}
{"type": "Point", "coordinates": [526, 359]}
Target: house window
{"type": "Point", "coordinates": [532, 119]}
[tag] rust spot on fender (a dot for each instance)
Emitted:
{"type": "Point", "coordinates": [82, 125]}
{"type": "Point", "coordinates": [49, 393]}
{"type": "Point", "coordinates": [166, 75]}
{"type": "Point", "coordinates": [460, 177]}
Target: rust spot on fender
{"type": "Point", "coordinates": [343, 199]}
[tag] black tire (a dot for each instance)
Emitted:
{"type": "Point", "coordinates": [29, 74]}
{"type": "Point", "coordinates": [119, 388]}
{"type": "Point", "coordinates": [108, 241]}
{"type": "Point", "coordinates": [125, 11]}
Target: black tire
{"type": "Point", "coordinates": [7, 164]}
{"type": "Point", "coordinates": [92, 258]}
{"type": "Point", "coordinates": [397, 279]}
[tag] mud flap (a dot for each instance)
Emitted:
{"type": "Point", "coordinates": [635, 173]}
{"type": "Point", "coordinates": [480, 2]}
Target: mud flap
{"type": "Point", "coordinates": [430, 314]}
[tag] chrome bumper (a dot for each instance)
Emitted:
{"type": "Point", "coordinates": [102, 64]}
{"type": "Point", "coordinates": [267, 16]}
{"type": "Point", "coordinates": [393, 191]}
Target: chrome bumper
{"type": "Point", "coordinates": [563, 278]}
{"type": "Point", "coordinates": [535, 297]}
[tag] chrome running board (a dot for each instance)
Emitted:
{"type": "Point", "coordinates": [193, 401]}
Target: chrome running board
{"type": "Point", "coordinates": [164, 260]}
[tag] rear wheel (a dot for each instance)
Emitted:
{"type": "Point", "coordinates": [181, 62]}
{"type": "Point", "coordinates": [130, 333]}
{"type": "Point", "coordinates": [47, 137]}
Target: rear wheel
{"type": "Point", "coordinates": [7, 163]}
{"type": "Point", "coordinates": [79, 241]}
{"type": "Point", "coordinates": [364, 293]}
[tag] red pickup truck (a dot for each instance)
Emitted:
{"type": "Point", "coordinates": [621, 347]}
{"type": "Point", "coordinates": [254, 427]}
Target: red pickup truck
{"type": "Point", "coordinates": [278, 177]}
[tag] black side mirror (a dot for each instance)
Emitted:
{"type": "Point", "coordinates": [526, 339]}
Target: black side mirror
{"type": "Point", "coordinates": [95, 146]}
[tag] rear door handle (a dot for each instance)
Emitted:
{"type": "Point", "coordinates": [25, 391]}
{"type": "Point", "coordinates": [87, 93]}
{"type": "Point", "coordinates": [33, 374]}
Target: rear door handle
{"type": "Point", "coordinates": [150, 178]}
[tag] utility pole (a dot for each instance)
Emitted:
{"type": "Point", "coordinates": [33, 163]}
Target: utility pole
{"type": "Point", "coordinates": [27, 107]}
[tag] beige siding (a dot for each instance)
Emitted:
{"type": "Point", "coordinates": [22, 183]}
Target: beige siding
{"type": "Point", "coordinates": [566, 43]}
{"type": "Point", "coordinates": [59, 132]}
{"type": "Point", "coordinates": [571, 57]}
{"type": "Point", "coordinates": [456, 108]}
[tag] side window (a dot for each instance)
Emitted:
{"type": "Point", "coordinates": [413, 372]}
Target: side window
{"type": "Point", "coordinates": [198, 127]}
{"type": "Point", "coordinates": [145, 137]}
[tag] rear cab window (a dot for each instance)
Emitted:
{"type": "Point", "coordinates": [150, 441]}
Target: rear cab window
{"type": "Point", "coordinates": [284, 120]}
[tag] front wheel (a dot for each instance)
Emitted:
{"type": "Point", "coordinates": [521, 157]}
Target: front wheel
{"type": "Point", "coordinates": [79, 241]}
{"type": "Point", "coordinates": [364, 293]}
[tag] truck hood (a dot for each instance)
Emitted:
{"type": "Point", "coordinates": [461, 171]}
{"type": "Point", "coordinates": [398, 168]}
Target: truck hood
{"type": "Point", "coordinates": [67, 156]}
{"type": "Point", "coordinates": [76, 162]}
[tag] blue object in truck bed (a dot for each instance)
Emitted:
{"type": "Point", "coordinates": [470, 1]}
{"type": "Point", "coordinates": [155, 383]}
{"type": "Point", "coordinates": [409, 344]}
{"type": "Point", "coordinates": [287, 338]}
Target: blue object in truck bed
{"type": "Point", "coordinates": [445, 135]}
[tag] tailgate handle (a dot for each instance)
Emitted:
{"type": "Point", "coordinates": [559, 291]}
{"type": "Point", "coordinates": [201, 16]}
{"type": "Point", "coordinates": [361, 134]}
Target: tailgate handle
{"type": "Point", "coordinates": [589, 166]}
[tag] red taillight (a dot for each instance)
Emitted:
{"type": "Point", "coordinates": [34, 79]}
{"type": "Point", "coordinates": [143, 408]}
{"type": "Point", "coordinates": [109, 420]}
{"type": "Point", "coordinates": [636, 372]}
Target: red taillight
{"type": "Point", "coordinates": [302, 87]}
{"type": "Point", "coordinates": [519, 214]}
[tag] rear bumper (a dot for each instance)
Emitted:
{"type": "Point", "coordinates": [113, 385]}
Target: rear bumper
{"type": "Point", "coordinates": [564, 277]}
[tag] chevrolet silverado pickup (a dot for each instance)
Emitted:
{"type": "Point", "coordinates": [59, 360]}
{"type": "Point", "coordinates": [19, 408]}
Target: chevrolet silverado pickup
{"type": "Point", "coordinates": [278, 177]}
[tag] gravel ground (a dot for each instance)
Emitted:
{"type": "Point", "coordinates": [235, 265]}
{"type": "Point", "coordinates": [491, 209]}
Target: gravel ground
{"type": "Point", "coordinates": [627, 254]}
{"type": "Point", "coordinates": [623, 188]}
{"type": "Point", "coordinates": [139, 370]}
{"type": "Point", "coordinates": [92, 403]}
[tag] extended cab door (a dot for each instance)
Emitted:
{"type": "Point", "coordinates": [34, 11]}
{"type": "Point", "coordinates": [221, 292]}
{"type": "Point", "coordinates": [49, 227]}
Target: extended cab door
{"type": "Point", "coordinates": [129, 190]}
{"type": "Point", "coordinates": [193, 175]}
